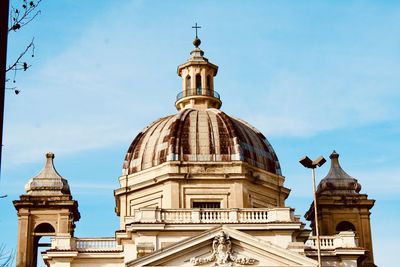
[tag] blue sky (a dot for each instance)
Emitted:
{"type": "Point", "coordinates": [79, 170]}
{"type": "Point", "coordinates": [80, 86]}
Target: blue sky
{"type": "Point", "coordinates": [313, 76]}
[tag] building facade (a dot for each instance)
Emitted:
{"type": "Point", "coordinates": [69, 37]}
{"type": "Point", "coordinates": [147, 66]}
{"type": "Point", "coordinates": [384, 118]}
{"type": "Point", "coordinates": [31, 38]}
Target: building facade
{"type": "Point", "coordinates": [198, 188]}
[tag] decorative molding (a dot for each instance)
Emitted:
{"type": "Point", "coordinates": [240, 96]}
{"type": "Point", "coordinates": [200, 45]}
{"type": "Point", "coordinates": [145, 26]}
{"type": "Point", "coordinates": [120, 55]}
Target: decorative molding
{"type": "Point", "coordinates": [222, 253]}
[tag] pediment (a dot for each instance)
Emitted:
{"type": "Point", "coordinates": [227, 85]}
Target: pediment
{"type": "Point", "coordinates": [223, 246]}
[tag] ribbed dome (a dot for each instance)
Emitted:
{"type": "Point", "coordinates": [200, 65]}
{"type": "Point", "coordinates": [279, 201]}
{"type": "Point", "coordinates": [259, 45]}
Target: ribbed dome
{"type": "Point", "coordinates": [200, 136]}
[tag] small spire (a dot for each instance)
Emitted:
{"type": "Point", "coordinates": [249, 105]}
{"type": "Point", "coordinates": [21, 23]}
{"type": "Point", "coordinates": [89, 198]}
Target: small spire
{"type": "Point", "coordinates": [48, 180]}
{"type": "Point", "coordinates": [49, 171]}
{"type": "Point", "coordinates": [337, 181]}
{"type": "Point", "coordinates": [336, 170]}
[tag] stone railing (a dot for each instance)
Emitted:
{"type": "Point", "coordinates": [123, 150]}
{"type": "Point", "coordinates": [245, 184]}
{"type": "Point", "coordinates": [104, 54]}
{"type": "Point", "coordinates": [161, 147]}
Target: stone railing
{"type": "Point", "coordinates": [66, 242]}
{"type": "Point", "coordinates": [155, 215]}
{"type": "Point", "coordinates": [97, 244]}
{"type": "Point", "coordinates": [342, 240]}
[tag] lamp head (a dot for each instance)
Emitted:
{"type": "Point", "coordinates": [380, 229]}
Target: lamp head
{"type": "Point", "coordinates": [319, 161]}
{"type": "Point", "coordinates": [306, 162]}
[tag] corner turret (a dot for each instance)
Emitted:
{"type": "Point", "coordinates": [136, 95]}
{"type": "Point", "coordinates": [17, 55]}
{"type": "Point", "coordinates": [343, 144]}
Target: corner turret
{"type": "Point", "coordinates": [46, 209]}
{"type": "Point", "coordinates": [341, 207]}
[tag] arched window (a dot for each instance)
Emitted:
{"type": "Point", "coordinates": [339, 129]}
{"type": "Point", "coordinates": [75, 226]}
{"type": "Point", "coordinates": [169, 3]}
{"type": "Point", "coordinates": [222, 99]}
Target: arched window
{"type": "Point", "coordinates": [345, 226]}
{"type": "Point", "coordinates": [198, 84]}
{"type": "Point", "coordinates": [188, 82]}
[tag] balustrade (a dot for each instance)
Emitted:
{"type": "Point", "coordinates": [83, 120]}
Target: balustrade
{"type": "Point", "coordinates": [253, 216]}
{"type": "Point", "coordinates": [249, 215]}
{"type": "Point", "coordinates": [344, 239]}
{"type": "Point", "coordinates": [214, 215]}
{"type": "Point", "coordinates": [96, 244]}
{"type": "Point", "coordinates": [181, 216]}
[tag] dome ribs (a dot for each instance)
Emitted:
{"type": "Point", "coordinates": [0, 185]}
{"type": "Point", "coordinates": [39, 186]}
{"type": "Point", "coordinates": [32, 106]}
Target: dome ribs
{"type": "Point", "coordinates": [203, 136]}
{"type": "Point", "coordinates": [184, 145]}
{"type": "Point", "coordinates": [248, 147]}
{"type": "Point", "coordinates": [274, 158]}
{"type": "Point", "coordinates": [255, 150]}
{"type": "Point", "coordinates": [130, 154]}
{"type": "Point", "coordinates": [204, 140]}
{"type": "Point", "coordinates": [160, 146]}
{"type": "Point", "coordinates": [175, 136]}
{"type": "Point", "coordinates": [270, 159]}
{"type": "Point", "coordinates": [148, 158]}
{"type": "Point", "coordinates": [194, 135]}
{"type": "Point", "coordinates": [228, 137]}
{"type": "Point", "coordinates": [133, 151]}
{"type": "Point", "coordinates": [211, 136]}
{"type": "Point", "coordinates": [143, 149]}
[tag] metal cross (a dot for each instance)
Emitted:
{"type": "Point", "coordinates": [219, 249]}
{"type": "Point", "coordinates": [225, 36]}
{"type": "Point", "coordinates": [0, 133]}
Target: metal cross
{"type": "Point", "coordinates": [196, 27]}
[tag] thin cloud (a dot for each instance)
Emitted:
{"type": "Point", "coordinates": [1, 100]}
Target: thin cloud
{"type": "Point", "coordinates": [64, 138]}
{"type": "Point", "coordinates": [109, 84]}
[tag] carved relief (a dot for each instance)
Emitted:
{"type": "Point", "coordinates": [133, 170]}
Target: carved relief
{"type": "Point", "coordinates": [222, 254]}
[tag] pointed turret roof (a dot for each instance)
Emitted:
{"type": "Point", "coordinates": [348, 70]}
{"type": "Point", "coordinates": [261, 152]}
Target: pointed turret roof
{"type": "Point", "coordinates": [337, 181]}
{"type": "Point", "coordinates": [48, 181]}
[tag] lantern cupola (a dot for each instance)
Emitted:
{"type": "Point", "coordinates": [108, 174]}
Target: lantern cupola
{"type": "Point", "coordinates": [197, 81]}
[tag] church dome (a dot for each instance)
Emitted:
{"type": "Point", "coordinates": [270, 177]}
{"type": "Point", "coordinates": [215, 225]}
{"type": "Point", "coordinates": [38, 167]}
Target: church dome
{"type": "Point", "coordinates": [200, 135]}
{"type": "Point", "coordinates": [200, 131]}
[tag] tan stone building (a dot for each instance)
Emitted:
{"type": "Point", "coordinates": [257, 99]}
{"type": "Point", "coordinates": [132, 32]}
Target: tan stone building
{"type": "Point", "coordinates": [198, 188]}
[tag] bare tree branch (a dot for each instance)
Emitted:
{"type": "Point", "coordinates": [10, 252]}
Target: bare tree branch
{"type": "Point", "coordinates": [18, 65]}
{"type": "Point", "coordinates": [6, 257]}
{"type": "Point", "coordinates": [21, 17]}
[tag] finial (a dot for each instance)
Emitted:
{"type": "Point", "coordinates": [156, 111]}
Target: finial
{"type": "Point", "coordinates": [334, 155]}
{"type": "Point", "coordinates": [196, 27]}
{"type": "Point", "coordinates": [196, 41]}
{"type": "Point", "coordinates": [49, 170]}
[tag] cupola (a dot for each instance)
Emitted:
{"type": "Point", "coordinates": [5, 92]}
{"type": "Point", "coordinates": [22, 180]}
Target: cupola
{"type": "Point", "coordinates": [337, 181]}
{"type": "Point", "coordinates": [197, 81]}
{"type": "Point", "coordinates": [48, 181]}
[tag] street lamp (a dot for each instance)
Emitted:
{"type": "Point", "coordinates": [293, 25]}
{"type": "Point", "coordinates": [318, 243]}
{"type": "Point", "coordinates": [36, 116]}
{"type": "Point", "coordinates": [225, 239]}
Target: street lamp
{"type": "Point", "coordinates": [312, 164]}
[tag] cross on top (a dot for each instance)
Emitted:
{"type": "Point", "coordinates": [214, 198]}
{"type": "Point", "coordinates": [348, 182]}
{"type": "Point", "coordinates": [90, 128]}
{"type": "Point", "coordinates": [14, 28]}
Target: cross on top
{"type": "Point", "coordinates": [196, 27]}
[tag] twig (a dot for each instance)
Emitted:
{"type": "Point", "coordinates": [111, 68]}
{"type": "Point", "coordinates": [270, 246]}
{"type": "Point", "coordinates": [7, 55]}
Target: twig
{"type": "Point", "coordinates": [19, 20]}
{"type": "Point", "coordinates": [17, 61]}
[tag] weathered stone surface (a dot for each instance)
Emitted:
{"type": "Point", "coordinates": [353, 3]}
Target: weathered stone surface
{"type": "Point", "coordinates": [200, 135]}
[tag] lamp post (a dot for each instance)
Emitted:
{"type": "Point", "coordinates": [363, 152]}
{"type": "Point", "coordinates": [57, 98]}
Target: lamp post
{"type": "Point", "coordinates": [312, 164]}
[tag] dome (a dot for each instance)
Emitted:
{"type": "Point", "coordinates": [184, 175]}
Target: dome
{"type": "Point", "coordinates": [200, 135]}
{"type": "Point", "coordinates": [337, 181]}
